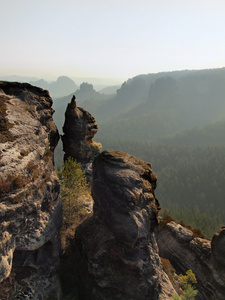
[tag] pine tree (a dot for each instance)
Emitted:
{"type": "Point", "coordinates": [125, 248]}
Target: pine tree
{"type": "Point", "coordinates": [73, 186]}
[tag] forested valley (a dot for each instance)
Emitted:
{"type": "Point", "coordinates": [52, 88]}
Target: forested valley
{"type": "Point", "coordinates": [176, 121]}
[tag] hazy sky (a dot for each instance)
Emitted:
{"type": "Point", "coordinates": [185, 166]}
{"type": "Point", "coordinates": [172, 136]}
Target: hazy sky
{"type": "Point", "coordinates": [110, 38]}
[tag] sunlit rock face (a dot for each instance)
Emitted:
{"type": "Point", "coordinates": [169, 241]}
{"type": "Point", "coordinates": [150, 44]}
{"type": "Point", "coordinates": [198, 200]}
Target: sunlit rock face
{"type": "Point", "coordinates": [204, 258]}
{"type": "Point", "coordinates": [79, 129]}
{"type": "Point", "coordinates": [30, 208]}
{"type": "Point", "coordinates": [116, 251]}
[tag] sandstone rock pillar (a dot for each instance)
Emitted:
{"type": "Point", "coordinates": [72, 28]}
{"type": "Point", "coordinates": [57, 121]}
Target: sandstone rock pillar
{"type": "Point", "coordinates": [79, 129]}
{"type": "Point", "coordinates": [116, 250]}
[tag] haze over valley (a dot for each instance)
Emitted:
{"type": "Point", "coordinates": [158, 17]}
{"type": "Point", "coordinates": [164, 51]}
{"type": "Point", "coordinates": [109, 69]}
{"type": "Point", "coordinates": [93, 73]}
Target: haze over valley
{"type": "Point", "coordinates": [176, 121]}
{"type": "Point", "coordinates": [112, 149]}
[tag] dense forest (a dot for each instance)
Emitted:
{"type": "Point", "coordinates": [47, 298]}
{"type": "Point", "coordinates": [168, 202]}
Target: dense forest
{"type": "Point", "coordinates": [176, 121]}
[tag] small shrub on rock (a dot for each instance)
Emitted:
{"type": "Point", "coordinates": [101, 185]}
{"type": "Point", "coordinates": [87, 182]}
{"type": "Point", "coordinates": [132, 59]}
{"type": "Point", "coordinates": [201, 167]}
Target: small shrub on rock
{"type": "Point", "coordinates": [18, 182]}
{"type": "Point", "coordinates": [5, 187]}
{"type": "Point", "coordinates": [32, 168]}
{"type": "Point", "coordinates": [164, 220]}
{"type": "Point", "coordinates": [187, 285]}
{"type": "Point", "coordinates": [10, 184]}
{"type": "Point", "coordinates": [73, 187]}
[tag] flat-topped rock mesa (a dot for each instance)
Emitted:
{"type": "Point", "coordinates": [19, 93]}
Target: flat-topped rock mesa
{"type": "Point", "coordinates": [116, 251]}
{"type": "Point", "coordinates": [203, 257]}
{"type": "Point", "coordinates": [30, 208]}
{"type": "Point", "coordinates": [79, 129]}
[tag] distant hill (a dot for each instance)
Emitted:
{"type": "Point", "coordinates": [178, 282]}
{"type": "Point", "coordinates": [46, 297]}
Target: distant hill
{"type": "Point", "coordinates": [176, 121]}
{"type": "Point", "coordinates": [154, 106]}
{"type": "Point", "coordinates": [86, 97]}
{"type": "Point", "coordinates": [16, 78]}
{"type": "Point", "coordinates": [110, 90]}
{"type": "Point", "coordinates": [61, 87]}
{"type": "Point", "coordinates": [205, 136]}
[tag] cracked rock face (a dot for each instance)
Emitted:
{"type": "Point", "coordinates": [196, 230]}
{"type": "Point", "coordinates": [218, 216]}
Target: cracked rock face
{"type": "Point", "coordinates": [116, 249]}
{"type": "Point", "coordinates": [204, 258]}
{"type": "Point", "coordinates": [30, 208]}
{"type": "Point", "coordinates": [79, 129]}
{"type": "Point", "coordinates": [218, 248]}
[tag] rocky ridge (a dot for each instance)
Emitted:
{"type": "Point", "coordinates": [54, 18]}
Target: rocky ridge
{"type": "Point", "coordinates": [203, 257]}
{"type": "Point", "coordinates": [116, 251]}
{"type": "Point", "coordinates": [30, 207]}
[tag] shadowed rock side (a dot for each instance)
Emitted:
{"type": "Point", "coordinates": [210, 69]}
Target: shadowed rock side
{"type": "Point", "coordinates": [204, 258]}
{"type": "Point", "coordinates": [79, 129]}
{"type": "Point", "coordinates": [116, 251]}
{"type": "Point", "coordinates": [30, 209]}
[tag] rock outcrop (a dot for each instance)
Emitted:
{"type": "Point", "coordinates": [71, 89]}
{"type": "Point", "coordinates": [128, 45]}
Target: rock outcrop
{"type": "Point", "coordinates": [30, 208]}
{"type": "Point", "coordinates": [218, 249]}
{"type": "Point", "coordinates": [204, 258]}
{"type": "Point", "coordinates": [79, 129]}
{"type": "Point", "coordinates": [116, 251]}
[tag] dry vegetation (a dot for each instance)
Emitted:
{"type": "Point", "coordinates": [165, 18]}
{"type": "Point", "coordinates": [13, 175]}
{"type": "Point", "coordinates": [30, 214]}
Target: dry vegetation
{"type": "Point", "coordinates": [12, 183]}
{"type": "Point", "coordinates": [169, 270]}
{"type": "Point", "coordinates": [48, 155]}
{"type": "Point", "coordinates": [167, 219]}
{"type": "Point", "coordinates": [196, 231]}
{"type": "Point", "coordinates": [33, 170]}
{"type": "Point", "coordinates": [5, 134]}
{"type": "Point", "coordinates": [74, 193]}
{"type": "Point", "coordinates": [15, 182]}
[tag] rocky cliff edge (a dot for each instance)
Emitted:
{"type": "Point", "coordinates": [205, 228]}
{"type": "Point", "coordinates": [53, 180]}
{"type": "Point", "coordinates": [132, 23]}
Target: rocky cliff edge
{"type": "Point", "coordinates": [30, 208]}
{"type": "Point", "coordinates": [205, 258]}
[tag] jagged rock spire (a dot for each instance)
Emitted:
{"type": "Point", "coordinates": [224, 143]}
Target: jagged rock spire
{"type": "Point", "coordinates": [79, 129]}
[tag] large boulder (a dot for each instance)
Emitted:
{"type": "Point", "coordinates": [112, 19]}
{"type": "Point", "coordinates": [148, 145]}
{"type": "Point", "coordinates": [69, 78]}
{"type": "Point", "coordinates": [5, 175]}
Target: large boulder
{"type": "Point", "coordinates": [116, 251]}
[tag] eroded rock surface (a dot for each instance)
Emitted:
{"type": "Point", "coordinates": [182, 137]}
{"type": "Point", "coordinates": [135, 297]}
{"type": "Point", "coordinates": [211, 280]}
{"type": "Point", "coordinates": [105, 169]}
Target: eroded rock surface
{"type": "Point", "coordinates": [116, 251]}
{"type": "Point", "coordinates": [218, 248]}
{"type": "Point", "coordinates": [79, 129]}
{"type": "Point", "coordinates": [30, 208]}
{"type": "Point", "coordinates": [185, 252]}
